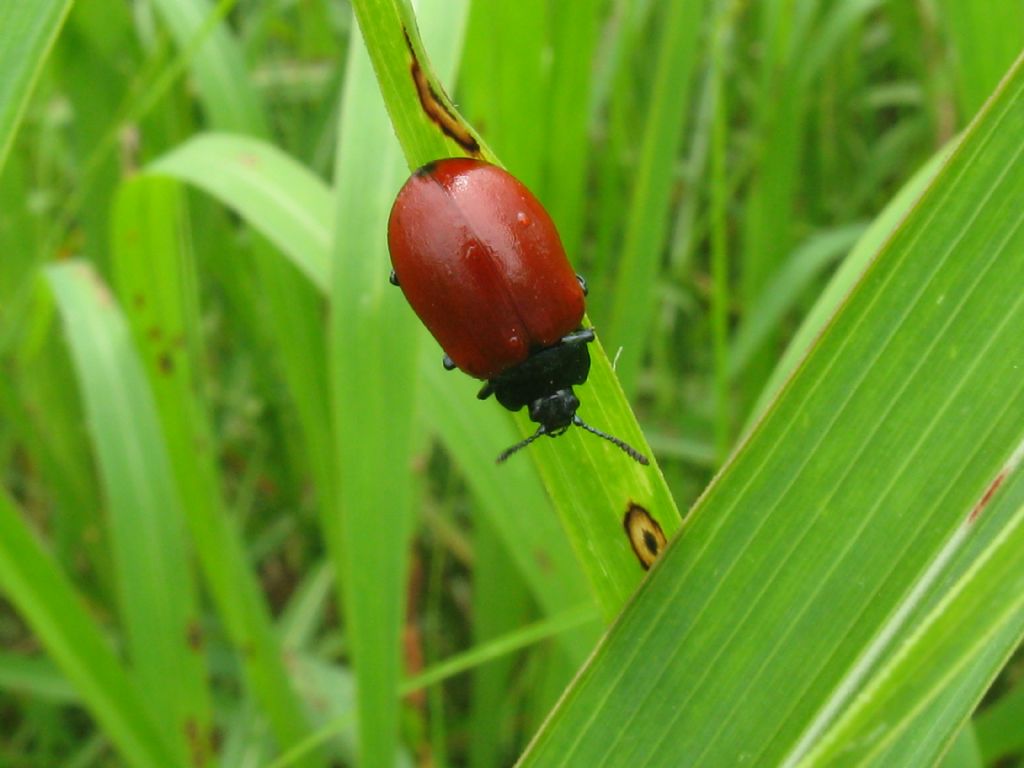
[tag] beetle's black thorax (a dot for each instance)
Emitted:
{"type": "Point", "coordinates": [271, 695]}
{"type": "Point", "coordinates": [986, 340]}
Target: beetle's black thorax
{"type": "Point", "coordinates": [544, 373]}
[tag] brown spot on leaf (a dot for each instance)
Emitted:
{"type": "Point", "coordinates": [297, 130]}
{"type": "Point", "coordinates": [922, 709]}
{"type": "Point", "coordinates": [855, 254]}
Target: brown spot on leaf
{"type": "Point", "coordinates": [165, 363]}
{"type": "Point", "coordinates": [645, 534]}
{"type": "Point", "coordinates": [436, 105]}
{"type": "Point", "coordinates": [194, 636]}
{"type": "Point", "coordinates": [197, 745]}
{"type": "Point", "coordinates": [986, 497]}
{"type": "Point", "coordinates": [543, 560]}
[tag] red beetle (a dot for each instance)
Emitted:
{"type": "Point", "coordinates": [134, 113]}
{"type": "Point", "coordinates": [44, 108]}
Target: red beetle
{"type": "Point", "coordinates": [481, 263]}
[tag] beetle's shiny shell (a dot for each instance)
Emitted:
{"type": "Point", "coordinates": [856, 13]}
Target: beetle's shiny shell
{"type": "Point", "coordinates": [481, 263]}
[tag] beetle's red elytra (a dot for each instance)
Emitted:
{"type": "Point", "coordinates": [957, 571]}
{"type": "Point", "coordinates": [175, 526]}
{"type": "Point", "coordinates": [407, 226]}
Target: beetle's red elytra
{"type": "Point", "coordinates": [481, 263]}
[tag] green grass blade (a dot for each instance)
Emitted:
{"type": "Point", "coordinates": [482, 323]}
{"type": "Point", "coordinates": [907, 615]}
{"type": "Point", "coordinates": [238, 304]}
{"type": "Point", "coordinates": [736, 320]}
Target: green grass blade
{"type": "Point", "coordinates": [294, 312]}
{"type": "Point", "coordinates": [846, 277]}
{"type": "Point", "coordinates": [592, 485]}
{"type": "Point", "coordinates": [634, 309]}
{"type": "Point", "coordinates": [1000, 726]}
{"type": "Point", "coordinates": [156, 593]}
{"type": "Point", "coordinates": [370, 338]}
{"type": "Point", "coordinates": [985, 39]}
{"type": "Point", "coordinates": [93, 50]}
{"type": "Point", "coordinates": [217, 64]}
{"type": "Point", "coordinates": [48, 425]}
{"type": "Point", "coordinates": [154, 277]}
{"type": "Point", "coordinates": [794, 40]}
{"type": "Point", "coordinates": [289, 206]}
{"type": "Point", "coordinates": [495, 648]}
{"type": "Point", "coordinates": [801, 564]}
{"type": "Point", "coordinates": [373, 335]}
{"type": "Point", "coordinates": [718, 310]}
{"type": "Point", "coordinates": [491, 55]}
{"type": "Point", "coordinates": [917, 701]}
{"type": "Point", "coordinates": [500, 605]}
{"type": "Point", "coordinates": [574, 33]}
{"type": "Point", "coordinates": [779, 297]}
{"type": "Point", "coordinates": [279, 197]}
{"type": "Point", "coordinates": [35, 585]}
{"type": "Point", "coordinates": [388, 29]}
{"type": "Point", "coordinates": [510, 495]}
{"type": "Point", "coordinates": [29, 31]}
{"type": "Point", "coordinates": [767, 224]}
{"type": "Point", "coordinates": [964, 752]}
{"type": "Point", "coordinates": [505, 78]}
{"type": "Point", "coordinates": [36, 676]}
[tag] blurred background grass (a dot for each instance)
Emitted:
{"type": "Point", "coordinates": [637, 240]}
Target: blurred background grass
{"type": "Point", "coordinates": [708, 164]}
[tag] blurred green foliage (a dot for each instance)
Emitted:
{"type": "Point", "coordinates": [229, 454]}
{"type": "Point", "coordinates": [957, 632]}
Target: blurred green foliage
{"type": "Point", "coordinates": [194, 398]}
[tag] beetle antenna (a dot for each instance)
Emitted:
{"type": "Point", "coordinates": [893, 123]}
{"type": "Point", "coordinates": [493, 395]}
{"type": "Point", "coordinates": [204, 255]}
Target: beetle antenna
{"type": "Point", "coordinates": [521, 444]}
{"type": "Point", "coordinates": [630, 450]}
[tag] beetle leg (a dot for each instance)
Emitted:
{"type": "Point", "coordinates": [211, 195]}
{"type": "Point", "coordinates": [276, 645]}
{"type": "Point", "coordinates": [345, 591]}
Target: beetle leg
{"type": "Point", "coordinates": [448, 363]}
{"type": "Point", "coordinates": [393, 278]}
{"type": "Point", "coordinates": [583, 283]}
{"type": "Point", "coordinates": [485, 391]}
{"type": "Point", "coordinates": [582, 336]}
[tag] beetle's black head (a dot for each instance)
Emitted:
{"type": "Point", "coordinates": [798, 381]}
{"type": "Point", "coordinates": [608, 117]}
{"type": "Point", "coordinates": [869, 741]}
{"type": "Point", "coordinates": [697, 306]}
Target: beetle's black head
{"type": "Point", "coordinates": [555, 412]}
{"type": "Point", "coordinates": [544, 382]}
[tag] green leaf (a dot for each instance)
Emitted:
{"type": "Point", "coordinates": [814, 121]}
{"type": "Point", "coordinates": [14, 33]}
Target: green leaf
{"type": "Point", "coordinates": [509, 494]}
{"type": "Point", "coordinates": [985, 38]}
{"type": "Point", "coordinates": [633, 311]}
{"type": "Point", "coordinates": [575, 32]}
{"type": "Point", "coordinates": [780, 296]}
{"type": "Point", "coordinates": [799, 568]}
{"type": "Point", "coordinates": [390, 32]}
{"type": "Point", "coordinates": [29, 31]}
{"type": "Point", "coordinates": [522, 637]}
{"type": "Point", "coordinates": [849, 272]}
{"type": "Point", "coordinates": [35, 676]}
{"type": "Point", "coordinates": [368, 531]}
{"type": "Point", "coordinates": [156, 592]}
{"type": "Point", "coordinates": [1000, 726]}
{"type": "Point", "coordinates": [795, 41]}
{"type": "Point", "coordinates": [289, 206]}
{"type": "Point", "coordinates": [154, 273]}
{"type": "Point", "coordinates": [280, 198]}
{"type": "Point", "coordinates": [34, 584]}
{"type": "Point", "coordinates": [217, 63]}
{"type": "Point", "coordinates": [293, 311]}
{"type": "Point", "coordinates": [917, 701]}
{"type": "Point", "coordinates": [964, 752]}
{"type": "Point", "coordinates": [373, 337]}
